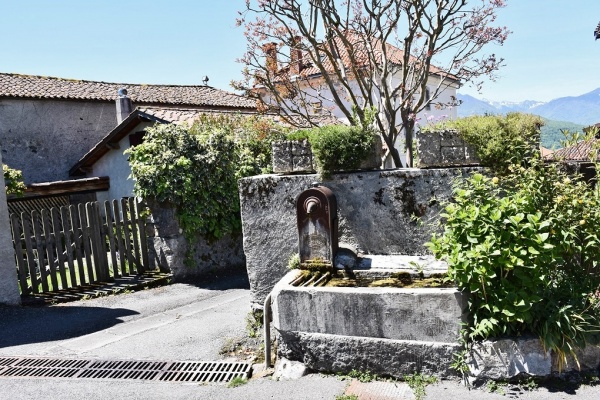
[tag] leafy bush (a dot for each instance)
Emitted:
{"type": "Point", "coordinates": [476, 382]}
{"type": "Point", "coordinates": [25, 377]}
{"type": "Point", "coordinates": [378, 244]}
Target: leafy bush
{"type": "Point", "coordinates": [13, 180]}
{"type": "Point", "coordinates": [498, 140]}
{"type": "Point", "coordinates": [526, 248]}
{"type": "Point", "coordinates": [337, 147]}
{"type": "Point", "coordinates": [197, 168]}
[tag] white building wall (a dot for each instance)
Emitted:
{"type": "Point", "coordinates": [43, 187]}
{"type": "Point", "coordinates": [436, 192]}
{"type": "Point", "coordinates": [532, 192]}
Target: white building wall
{"type": "Point", "coordinates": [115, 165]}
{"type": "Point", "coordinates": [426, 116]}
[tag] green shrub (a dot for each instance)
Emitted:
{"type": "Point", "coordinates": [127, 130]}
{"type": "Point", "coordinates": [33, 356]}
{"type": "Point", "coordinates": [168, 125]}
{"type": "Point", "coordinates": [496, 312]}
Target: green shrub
{"type": "Point", "coordinates": [498, 140]}
{"type": "Point", "coordinates": [526, 248]}
{"type": "Point", "coordinates": [337, 147]}
{"type": "Point", "coordinates": [196, 168]}
{"type": "Point", "coordinates": [13, 181]}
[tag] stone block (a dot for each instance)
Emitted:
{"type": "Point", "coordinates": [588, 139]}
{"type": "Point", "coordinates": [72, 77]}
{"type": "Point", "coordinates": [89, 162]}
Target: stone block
{"type": "Point", "coordinates": [342, 354]}
{"type": "Point", "coordinates": [300, 148]}
{"type": "Point", "coordinates": [428, 149]}
{"type": "Point", "coordinates": [427, 315]}
{"type": "Point", "coordinates": [507, 358]}
{"type": "Point", "coordinates": [452, 155]}
{"type": "Point", "coordinates": [451, 138]}
{"type": "Point", "coordinates": [282, 157]}
{"type": "Point", "coordinates": [303, 163]}
{"type": "Point", "coordinates": [286, 370]}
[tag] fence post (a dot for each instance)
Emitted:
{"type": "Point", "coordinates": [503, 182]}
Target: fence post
{"type": "Point", "coordinates": [9, 289]}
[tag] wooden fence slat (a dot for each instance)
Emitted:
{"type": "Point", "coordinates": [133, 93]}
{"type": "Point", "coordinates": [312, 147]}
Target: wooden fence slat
{"type": "Point", "coordinates": [58, 238]}
{"type": "Point", "coordinates": [81, 239]}
{"type": "Point", "coordinates": [111, 239]}
{"type": "Point", "coordinates": [36, 221]}
{"type": "Point", "coordinates": [99, 243]}
{"type": "Point", "coordinates": [21, 262]}
{"type": "Point", "coordinates": [127, 235]}
{"type": "Point", "coordinates": [31, 260]}
{"type": "Point", "coordinates": [87, 251]}
{"type": "Point", "coordinates": [78, 243]}
{"type": "Point", "coordinates": [50, 248]}
{"type": "Point", "coordinates": [134, 233]}
{"type": "Point", "coordinates": [69, 246]}
{"type": "Point", "coordinates": [139, 206]}
{"type": "Point", "coordinates": [93, 236]}
{"type": "Point", "coordinates": [119, 236]}
{"type": "Point", "coordinates": [91, 232]}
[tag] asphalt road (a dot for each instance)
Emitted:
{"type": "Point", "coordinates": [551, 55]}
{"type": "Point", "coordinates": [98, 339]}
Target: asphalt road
{"type": "Point", "coordinates": [186, 322]}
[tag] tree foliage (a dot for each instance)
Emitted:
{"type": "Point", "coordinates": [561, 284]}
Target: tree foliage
{"type": "Point", "coordinates": [526, 249]}
{"type": "Point", "coordinates": [197, 167]}
{"type": "Point", "coordinates": [13, 180]}
{"type": "Point", "coordinates": [357, 54]}
{"type": "Point", "coordinates": [498, 140]}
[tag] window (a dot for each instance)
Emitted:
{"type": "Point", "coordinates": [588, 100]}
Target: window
{"type": "Point", "coordinates": [427, 97]}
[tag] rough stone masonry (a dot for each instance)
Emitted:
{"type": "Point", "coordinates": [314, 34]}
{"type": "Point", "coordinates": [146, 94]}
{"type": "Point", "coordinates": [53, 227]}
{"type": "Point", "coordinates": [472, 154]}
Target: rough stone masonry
{"type": "Point", "coordinates": [379, 212]}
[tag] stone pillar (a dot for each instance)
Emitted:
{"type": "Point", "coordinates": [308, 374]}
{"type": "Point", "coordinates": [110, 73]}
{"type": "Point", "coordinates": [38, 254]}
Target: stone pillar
{"type": "Point", "coordinates": [9, 289]}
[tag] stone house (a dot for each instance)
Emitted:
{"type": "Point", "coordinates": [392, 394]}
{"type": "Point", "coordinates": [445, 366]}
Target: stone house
{"type": "Point", "coordinates": [106, 158]}
{"type": "Point", "coordinates": [47, 124]}
{"type": "Point", "coordinates": [299, 74]}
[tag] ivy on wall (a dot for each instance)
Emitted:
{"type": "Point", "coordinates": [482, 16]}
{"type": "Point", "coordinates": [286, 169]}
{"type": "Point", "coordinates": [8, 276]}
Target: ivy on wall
{"type": "Point", "coordinates": [196, 168]}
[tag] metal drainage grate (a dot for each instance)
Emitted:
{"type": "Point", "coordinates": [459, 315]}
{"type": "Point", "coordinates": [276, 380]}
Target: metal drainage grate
{"type": "Point", "coordinates": [168, 371]}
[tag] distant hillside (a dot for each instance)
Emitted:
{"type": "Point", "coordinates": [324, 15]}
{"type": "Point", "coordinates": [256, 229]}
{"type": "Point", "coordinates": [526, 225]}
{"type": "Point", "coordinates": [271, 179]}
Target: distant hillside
{"type": "Point", "coordinates": [552, 132]}
{"type": "Point", "coordinates": [581, 110]}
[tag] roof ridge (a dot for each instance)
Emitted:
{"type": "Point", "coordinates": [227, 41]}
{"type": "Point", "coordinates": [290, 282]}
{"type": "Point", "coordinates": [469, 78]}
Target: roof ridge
{"type": "Point", "coordinates": [58, 78]}
{"type": "Point", "coordinates": [38, 86]}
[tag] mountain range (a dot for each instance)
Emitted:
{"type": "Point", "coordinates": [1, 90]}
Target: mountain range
{"type": "Point", "coordinates": [581, 110]}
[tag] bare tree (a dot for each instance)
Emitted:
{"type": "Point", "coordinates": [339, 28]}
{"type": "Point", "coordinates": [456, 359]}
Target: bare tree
{"type": "Point", "coordinates": [397, 56]}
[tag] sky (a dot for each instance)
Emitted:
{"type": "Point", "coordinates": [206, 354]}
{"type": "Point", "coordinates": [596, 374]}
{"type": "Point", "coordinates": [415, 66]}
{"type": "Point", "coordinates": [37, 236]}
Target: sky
{"type": "Point", "coordinates": [551, 52]}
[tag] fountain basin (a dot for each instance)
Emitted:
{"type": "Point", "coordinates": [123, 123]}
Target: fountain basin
{"type": "Point", "coordinates": [385, 330]}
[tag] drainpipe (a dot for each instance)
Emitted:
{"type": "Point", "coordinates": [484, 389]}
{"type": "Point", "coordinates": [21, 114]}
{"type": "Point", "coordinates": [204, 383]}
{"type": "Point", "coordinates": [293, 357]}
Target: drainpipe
{"type": "Point", "coordinates": [267, 318]}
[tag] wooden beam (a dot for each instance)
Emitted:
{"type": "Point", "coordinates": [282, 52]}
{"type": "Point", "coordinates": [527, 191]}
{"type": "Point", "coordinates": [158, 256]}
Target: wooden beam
{"type": "Point", "coordinates": [64, 188]}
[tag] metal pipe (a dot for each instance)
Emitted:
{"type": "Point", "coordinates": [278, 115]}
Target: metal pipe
{"type": "Point", "coordinates": [267, 330]}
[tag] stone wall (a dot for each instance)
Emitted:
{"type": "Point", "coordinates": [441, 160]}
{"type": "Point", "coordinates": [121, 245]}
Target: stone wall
{"type": "Point", "coordinates": [379, 212]}
{"type": "Point", "coordinates": [170, 247]}
{"type": "Point", "coordinates": [444, 148]}
{"type": "Point", "coordinates": [45, 138]}
{"type": "Point", "coordinates": [9, 289]}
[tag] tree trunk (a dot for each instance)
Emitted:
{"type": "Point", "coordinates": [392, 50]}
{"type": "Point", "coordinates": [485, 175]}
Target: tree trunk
{"type": "Point", "coordinates": [409, 128]}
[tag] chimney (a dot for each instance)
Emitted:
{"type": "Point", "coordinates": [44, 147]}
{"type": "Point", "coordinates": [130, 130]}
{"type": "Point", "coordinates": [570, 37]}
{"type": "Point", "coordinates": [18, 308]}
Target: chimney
{"type": "Point", "coordinates": [124, 106]}
{"type": "Point", "coordinates": [296, 56]}
{"type": "Point", "coordinates": [270, 50]}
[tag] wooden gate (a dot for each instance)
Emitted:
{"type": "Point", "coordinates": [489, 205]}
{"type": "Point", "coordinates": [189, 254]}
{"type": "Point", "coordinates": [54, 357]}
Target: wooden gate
{"type": "Point", "coordinates": [79, 245]}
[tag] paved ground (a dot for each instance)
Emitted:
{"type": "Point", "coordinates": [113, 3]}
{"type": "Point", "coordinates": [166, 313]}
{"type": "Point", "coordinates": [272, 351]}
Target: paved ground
{"type": "Point", "coordinates": [185, 322]}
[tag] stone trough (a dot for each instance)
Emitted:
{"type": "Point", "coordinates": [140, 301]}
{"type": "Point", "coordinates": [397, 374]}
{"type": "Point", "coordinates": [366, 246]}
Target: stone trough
{"type": "Point", "coordinates": [384, 330]}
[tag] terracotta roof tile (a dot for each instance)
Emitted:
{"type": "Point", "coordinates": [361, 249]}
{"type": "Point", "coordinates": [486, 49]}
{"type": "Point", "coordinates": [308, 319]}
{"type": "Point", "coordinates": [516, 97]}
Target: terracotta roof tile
{"type": "Point", "coordinates": [33, 86]}
{"type": "Point", "coordinates": [361, 56]}
{"type": "Point", "coordinates": [578, 152]}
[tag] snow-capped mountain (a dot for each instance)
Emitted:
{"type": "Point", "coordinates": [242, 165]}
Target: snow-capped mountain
{"type": "Point", "coordinates": [583, 109]}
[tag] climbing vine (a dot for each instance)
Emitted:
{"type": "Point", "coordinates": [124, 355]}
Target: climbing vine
{"type": "Point", "coordinates": [197, 167]}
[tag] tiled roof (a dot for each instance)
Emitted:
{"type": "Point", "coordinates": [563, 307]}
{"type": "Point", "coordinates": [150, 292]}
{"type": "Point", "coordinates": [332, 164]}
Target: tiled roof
{"type": "Point", "coordinates": [32, 86]}
{"type": "Point", "coordinates": [578, 152]}
{"type": "Point", "coordinates": [189, 116]}
{"type": "Point", "coordinates": [161, 115]}
{"type": "Point", "coordinates": [181, 115]}
{"type": "Point", "coordinates": [360, 58]}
